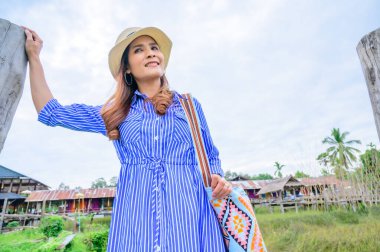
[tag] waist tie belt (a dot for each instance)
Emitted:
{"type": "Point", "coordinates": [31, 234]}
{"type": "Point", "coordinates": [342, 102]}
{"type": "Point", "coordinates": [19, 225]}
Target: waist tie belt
{"type": "Point", "coordinates": [157, 167]}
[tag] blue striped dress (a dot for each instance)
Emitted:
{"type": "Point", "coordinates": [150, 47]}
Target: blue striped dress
{"type": "Point", "coordinates": [160, 202]}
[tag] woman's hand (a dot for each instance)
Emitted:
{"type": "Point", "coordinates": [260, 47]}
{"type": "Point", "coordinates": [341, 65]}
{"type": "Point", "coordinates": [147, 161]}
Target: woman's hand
{"type": "Point", "coordinates": [220, 187]}
{"type": "Point", "coordinates": [40, 90]}
{"type": "Point", "coordinates": [33, 43]}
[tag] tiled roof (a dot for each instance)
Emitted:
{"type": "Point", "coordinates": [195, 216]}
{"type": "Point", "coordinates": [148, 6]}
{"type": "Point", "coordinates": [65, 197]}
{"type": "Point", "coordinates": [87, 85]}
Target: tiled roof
{"type": "Point", "coordinates": [71, 194]}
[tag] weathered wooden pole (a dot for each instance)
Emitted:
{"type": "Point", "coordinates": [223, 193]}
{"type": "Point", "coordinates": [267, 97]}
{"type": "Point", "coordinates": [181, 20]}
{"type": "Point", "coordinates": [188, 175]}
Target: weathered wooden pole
{"type": "Point", "coordinates": [13, 62]}
{"type": "Point", "coordinates": [369, 53]}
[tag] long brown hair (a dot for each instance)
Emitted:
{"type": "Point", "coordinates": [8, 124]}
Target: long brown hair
{"type": "Point", "coordinates": [118, 105]}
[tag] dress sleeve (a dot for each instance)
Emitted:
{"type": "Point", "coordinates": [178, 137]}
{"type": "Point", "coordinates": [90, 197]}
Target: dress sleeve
{"type": "Point", "coordinates": [78, 117]}
{"type": "Point", "coordinates": [212, 151]}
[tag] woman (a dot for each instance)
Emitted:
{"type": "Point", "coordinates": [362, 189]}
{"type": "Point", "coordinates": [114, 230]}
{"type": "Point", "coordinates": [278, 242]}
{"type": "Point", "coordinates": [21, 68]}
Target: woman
{"type": "Point", "coordinates": [160, 204]}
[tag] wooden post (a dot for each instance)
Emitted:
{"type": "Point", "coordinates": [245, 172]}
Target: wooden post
{"type": "Point", "coordinates": [3, 213]}
{"type": "Point", "coordinates": [43, 207]}
{"type": "Point", "coordinates": [13, 61]}
{"type": "Point", "coordinates": [5, 205]}
{"type": "Point", "coordinates": [368, 50]}
{"type": "Point", "coordinates": [89, 205]}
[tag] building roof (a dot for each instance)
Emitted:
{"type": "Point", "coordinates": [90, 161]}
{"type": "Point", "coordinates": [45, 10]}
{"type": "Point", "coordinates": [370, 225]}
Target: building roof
{"type": "Point", "coordinates": [250, 184]}
{"type": "Point", "coordinates": [50, 195]}
{"type": "Point", "coordinates": [323, 180]}
{"type": "Point", "coordinates": [6, 173]}
{"type": "Point", "coordinates": [280, 184]}
{"type": "Point", "coordinates": [239, 177]}
{"type": "Point", "coordinates": [11, 196]}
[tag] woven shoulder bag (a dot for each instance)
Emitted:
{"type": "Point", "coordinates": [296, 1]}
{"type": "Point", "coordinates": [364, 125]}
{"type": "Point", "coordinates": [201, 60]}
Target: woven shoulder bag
{"type": "Point", "coordinates": [235, 213]}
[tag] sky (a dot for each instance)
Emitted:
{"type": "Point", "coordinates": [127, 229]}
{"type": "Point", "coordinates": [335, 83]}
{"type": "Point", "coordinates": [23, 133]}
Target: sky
{"type": "Point", "coordinates": [273, 77]}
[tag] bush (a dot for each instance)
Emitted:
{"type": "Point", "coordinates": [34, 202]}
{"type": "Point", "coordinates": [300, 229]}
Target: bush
{"type": "Point", "coordinates": [97, 241]}
{"type": "Point", "coordinates": [51, 226]}
{"type": "Point", "coordinates": [13, 224]}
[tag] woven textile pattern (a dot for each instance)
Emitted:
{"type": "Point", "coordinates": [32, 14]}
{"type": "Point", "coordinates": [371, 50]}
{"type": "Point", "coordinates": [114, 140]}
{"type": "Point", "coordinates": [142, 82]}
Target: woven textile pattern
{"type": "Point", "coordinates": [238, 221]}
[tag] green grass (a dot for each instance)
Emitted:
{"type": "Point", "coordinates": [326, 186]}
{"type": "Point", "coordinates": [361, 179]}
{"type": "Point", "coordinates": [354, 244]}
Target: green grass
{"type": "Point", "coordinates": [339, 230]}
{"type": "Point", "coordinates": [30, 240]}
{"type": "Point", "coordinates": [34, 240]}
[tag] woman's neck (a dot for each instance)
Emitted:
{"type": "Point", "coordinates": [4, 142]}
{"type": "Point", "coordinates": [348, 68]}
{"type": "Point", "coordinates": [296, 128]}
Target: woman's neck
{"type": "Point", "coordinates": [149, 88]}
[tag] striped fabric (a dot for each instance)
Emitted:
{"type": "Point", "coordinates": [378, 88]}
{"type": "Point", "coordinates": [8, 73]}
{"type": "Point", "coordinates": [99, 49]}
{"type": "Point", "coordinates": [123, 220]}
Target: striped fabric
{"type": "Point", "coordinates": [160, 203]}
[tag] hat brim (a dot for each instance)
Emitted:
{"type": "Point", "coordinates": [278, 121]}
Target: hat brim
{"type": "Point", "coordinates": [116, 53]}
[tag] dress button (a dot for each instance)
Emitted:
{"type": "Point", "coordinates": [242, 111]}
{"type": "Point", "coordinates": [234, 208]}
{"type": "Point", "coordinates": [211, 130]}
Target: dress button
{"type": "Point", "coordinates": [156, 138]}
{"type": "Point", "coordinates": [157, 118]}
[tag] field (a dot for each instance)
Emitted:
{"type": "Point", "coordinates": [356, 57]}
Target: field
{"type": "Point", "coordinates": [336, 230]}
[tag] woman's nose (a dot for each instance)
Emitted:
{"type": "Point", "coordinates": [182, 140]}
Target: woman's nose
{"type": "Point", "coordinates": [151, 53]}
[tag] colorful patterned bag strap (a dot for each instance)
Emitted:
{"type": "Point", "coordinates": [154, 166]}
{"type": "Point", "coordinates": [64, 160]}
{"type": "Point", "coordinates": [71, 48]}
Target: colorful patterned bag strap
{"type": "Point", "coordinates": [196, 134]}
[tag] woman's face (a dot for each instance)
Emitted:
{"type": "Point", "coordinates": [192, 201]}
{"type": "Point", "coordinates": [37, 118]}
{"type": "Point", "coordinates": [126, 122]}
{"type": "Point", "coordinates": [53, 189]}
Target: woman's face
{"type": "Point", "coordinates": [145, 60]}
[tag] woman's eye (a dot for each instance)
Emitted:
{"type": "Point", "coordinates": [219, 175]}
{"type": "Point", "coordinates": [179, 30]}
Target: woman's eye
{"type": "Point", "coordinates": [155, 48]}
{"type": "Point", "coordinates": [138, 50]}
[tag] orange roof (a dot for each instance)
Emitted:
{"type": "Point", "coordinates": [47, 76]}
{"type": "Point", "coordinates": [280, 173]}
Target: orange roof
{"type": "Point", "coordinates": [50, 195]}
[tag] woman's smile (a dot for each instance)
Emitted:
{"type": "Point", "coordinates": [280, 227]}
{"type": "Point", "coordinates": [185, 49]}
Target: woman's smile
{"type": "Point", "coordinates": [152, 64]}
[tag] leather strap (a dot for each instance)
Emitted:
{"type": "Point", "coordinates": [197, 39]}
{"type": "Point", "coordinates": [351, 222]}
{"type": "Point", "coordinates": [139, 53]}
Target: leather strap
{"type": "Point", "coordinates": [196, 134]}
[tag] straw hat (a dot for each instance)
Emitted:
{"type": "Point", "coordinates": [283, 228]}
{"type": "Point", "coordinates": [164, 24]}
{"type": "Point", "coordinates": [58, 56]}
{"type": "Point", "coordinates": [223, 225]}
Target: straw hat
{"type": "Point", "coordinates": [127, 36]}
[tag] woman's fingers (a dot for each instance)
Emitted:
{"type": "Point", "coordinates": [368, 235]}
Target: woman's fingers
{"type": "Point", "coordinates": [221, 188]}
{"type": "Point", "coordinates": [29, 35]}
{"type": "Point", "coordinates": [34, 34]}
{"type": "Point", "coordinates": [33, 44]}
{"type": "Point", "coordinates": [36, 37]}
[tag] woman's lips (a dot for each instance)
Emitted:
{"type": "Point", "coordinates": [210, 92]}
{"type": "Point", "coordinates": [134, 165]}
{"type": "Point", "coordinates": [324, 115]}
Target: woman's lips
{"type": "Point", "coordinates": [152, 64]}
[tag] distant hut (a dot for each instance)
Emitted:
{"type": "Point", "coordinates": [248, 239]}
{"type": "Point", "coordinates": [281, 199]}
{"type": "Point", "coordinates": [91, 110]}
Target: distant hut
{"type": "Point", "coordinates": [251, 187]}
{"type": "Point", "coordinates": [280, 188]}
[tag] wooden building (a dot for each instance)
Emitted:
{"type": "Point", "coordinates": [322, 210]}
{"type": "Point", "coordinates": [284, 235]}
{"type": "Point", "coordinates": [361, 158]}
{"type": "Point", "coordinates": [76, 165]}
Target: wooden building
{"type": "Point", "coordinates": [14, 188]}
{"type": "Point", "coordinates": [71, 201]}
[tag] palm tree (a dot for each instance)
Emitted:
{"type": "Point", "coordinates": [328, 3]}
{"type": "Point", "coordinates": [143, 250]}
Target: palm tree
{"type": "Point", "coordinates": [278, 167]}
{"type": "Point", "coordinates": [340, 154]}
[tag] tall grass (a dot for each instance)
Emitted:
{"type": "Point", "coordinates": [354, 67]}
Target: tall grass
{"type": "Point", "coordinates": [321, 231]}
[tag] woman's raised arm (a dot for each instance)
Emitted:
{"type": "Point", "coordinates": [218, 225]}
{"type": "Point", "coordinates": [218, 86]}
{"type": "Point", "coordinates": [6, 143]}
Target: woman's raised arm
{"type": "Point", "coordinates": [41, 93]}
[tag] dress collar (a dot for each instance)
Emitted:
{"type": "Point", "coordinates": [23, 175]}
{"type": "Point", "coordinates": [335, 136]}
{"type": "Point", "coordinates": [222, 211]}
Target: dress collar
{"type": "Point", "coordinates": [138, 94]}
